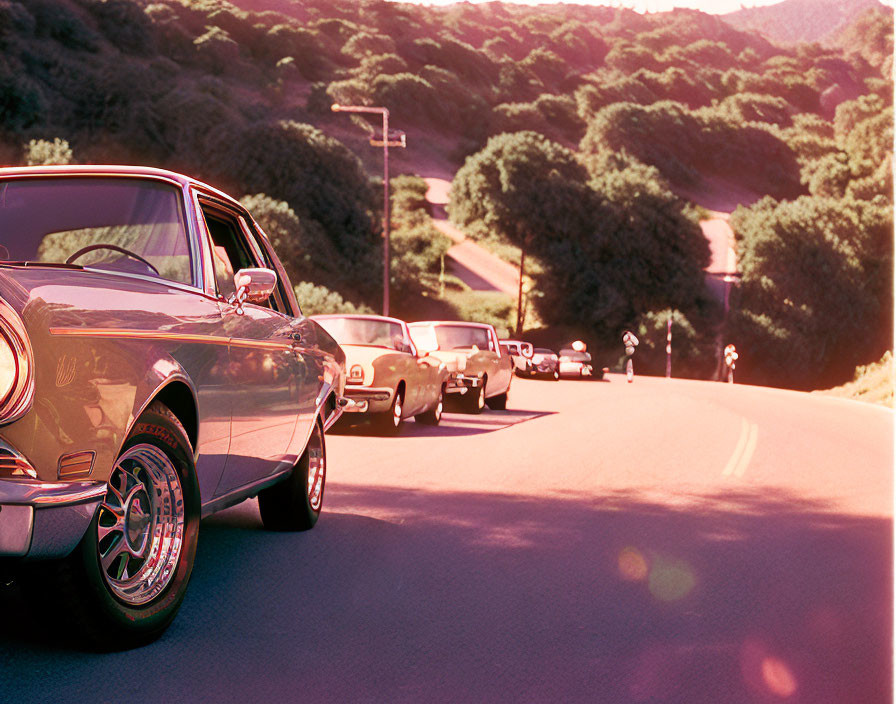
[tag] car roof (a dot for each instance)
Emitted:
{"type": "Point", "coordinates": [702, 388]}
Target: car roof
{"type": "Point", "coordinates": [111, 170]}
{"type": "Point", "coordinates": [357, 316]}
{"type": "Point", "coordinates": [462, 323]}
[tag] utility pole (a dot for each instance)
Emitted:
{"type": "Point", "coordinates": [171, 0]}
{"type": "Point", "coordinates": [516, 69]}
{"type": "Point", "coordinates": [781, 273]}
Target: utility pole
{"type": "Point", "coordinates": [386, 142]}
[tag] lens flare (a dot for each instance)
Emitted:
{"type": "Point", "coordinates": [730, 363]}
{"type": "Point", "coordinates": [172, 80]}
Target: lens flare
{"type": "Point", "coordinates": [632, 565]}
{"type": "Point", "coordinates": [671, 580]}
{"type": "Point", "coordinates": [778, 677]}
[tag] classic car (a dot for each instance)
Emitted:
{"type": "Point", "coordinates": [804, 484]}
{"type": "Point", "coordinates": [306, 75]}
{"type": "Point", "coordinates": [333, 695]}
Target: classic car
{"type": "Point", "coordinates": [574, 361]}
{"type": "Point", "coordinates": [521, 354]}
{"type": "Point", "coordinates": [155, 367]}
{"type": "Point", "coordinates": [386, 377]}
{"type": "Point", "coordinates": [480, 371]}
{"type": "Point", "coordinates": [545, 362]}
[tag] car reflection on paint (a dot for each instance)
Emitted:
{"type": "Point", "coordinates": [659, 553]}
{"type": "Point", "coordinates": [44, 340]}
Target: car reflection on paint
{"type": "Point", "coordinates": [388, 379]}
{"type": "Point", "coordinates": [480, 370]}
{"type": "Point", "coordinates": [155, 367]}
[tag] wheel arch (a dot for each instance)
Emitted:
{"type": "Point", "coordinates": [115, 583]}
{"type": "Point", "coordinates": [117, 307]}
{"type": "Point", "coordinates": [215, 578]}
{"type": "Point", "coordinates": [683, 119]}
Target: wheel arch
{"type": "Point", "coordinates": [178, 395]}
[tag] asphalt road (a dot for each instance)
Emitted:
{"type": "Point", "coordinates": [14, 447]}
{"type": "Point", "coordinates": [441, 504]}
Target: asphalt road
{"type": "Point", "coordinates": [664, 541]}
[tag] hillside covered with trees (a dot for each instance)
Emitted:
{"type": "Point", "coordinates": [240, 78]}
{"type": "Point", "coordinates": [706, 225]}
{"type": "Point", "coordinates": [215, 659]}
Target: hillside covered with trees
{"type": "Point", "coordinates": [588, 136]}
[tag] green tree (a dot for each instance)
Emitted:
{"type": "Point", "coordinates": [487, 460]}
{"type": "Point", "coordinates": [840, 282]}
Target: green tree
{"type": "Point", "coordinates": [815, 299]}
{"type": "Point", "coordinates": [611, 247]}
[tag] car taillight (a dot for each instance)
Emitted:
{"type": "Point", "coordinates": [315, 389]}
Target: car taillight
{"type": "Point", "coordinates": [16, 367]}
{"type": "Point", "coordinates": [356, 374]}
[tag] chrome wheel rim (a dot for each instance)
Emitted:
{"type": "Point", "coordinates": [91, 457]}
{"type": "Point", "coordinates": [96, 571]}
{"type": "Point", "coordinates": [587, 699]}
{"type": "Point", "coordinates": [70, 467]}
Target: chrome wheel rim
{"type": "Point", "coordinates": [396, 411]}
{"type": "Point", "coordinates": [140, 527]}
{"type": "Point", "coordinates": [480, 402]}
{"type": "Point", "coordinates": [438, 409]}
{"type": "Point", "coordinates": [317, 470]}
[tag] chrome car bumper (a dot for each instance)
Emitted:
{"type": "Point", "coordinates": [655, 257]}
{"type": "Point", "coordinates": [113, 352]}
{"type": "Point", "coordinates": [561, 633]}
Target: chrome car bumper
{"type": "Point", "coordinates": [574, 369]}
{"type": "Point", "coordinates": [45, 519]}
{"type": "Point", "coordinates": [363, 399]}
{"type": "Point", "coordinates": [459, 383]}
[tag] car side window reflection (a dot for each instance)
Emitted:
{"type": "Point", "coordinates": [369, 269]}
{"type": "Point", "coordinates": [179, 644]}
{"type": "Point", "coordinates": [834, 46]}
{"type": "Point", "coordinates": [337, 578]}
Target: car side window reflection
{"type": "Point", "coordinates": [228, 251]}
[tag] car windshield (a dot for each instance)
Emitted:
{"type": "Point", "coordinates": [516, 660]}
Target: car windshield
{"type": "Point", "coordinates": [365, 331]}
{"type": "Point", "coordinates": [574, 356]}
{"type": "Point", "coordinates": [461, 336]}
{"type": "Point", "coordinates": [119, 224]}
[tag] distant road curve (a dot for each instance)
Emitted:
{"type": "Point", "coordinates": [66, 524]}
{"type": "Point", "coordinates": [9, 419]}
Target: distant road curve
{"type": "Point", "coordinates": [474, 265]}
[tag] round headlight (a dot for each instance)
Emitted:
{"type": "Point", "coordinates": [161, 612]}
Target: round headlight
{"type": "Point", "coordinates": [9, 368]}
{"type": "Point", "coordinates": [16, 372]}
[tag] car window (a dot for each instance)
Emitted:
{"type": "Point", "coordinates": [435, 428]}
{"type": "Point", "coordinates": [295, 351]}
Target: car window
{"type": "Point", "coordinates": [366, 331]}
{"type": "Point", "coordinates": [229, 250]}
{"type": "Point", "coordinates": [125, 225]}
{"type": "Point", "coordinates": [461, 336]}
{"type": "Point", "coordinates": [281, 293]}
{"type": "Point", "coordinates": [232, 251]}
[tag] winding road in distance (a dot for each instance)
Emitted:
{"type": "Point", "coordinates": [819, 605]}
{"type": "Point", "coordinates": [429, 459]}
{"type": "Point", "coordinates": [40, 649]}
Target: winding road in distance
{"type": "Point", "coordinates": [661, 541]}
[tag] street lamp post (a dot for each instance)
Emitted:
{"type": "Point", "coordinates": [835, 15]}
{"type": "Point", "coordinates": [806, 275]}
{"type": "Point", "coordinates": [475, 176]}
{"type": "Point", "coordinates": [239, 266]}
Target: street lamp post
{"type": "Point", "coordinates": [385, 143]}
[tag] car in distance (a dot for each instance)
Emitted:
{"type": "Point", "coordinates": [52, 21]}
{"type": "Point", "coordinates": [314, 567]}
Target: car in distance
{"type": "Point", "coordinates": [520, 353]}
{"type": "Point", "coordinates": [545, 362]}
{"type": "Point", "coordinates": [480, 371]}
{"type": "Point", "coordinates": [155, 367]}
{"type": "Point", "coordinates": [387, 377]}
{"type": "Point", "coordinates": [574, 361]}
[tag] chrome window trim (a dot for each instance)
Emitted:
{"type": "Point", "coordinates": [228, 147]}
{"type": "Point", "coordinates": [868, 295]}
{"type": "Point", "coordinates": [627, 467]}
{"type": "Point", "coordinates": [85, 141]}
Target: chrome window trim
{"type": "Point", "coordinates": [242, 217]}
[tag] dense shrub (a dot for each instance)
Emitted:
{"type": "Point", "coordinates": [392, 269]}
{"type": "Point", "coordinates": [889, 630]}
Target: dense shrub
{"type": "Point", "coordinates": [39, 152]}
{"type": "Point", "coordinates": [685, 144]}
{"type": "Point", "coordinates": [316, 299]}
{"type": "Point", "coordinates": [322, 182]}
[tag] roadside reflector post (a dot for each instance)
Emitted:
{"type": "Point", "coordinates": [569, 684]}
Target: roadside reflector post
{"type": "Point", "coordinates": [669, 346]}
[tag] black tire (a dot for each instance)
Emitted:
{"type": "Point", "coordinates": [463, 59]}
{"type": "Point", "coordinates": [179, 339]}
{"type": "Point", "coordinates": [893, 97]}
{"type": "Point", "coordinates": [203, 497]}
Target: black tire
{"type": "Point", "coordinates": [434, 415]}
{"type": "Point", "coordinates": [296, 502]}
{"type": "Point", "coordinates": [127, 611]}
{"type": "Point", "coordinates": [474, 399]}
{"type": "Point", "coordinates": [390, 422]}
{"type": "Point", "coordinates": [499, 402]}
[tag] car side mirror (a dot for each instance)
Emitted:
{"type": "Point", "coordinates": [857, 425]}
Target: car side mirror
{"type": "Point", "coordinates": [253, 286]}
